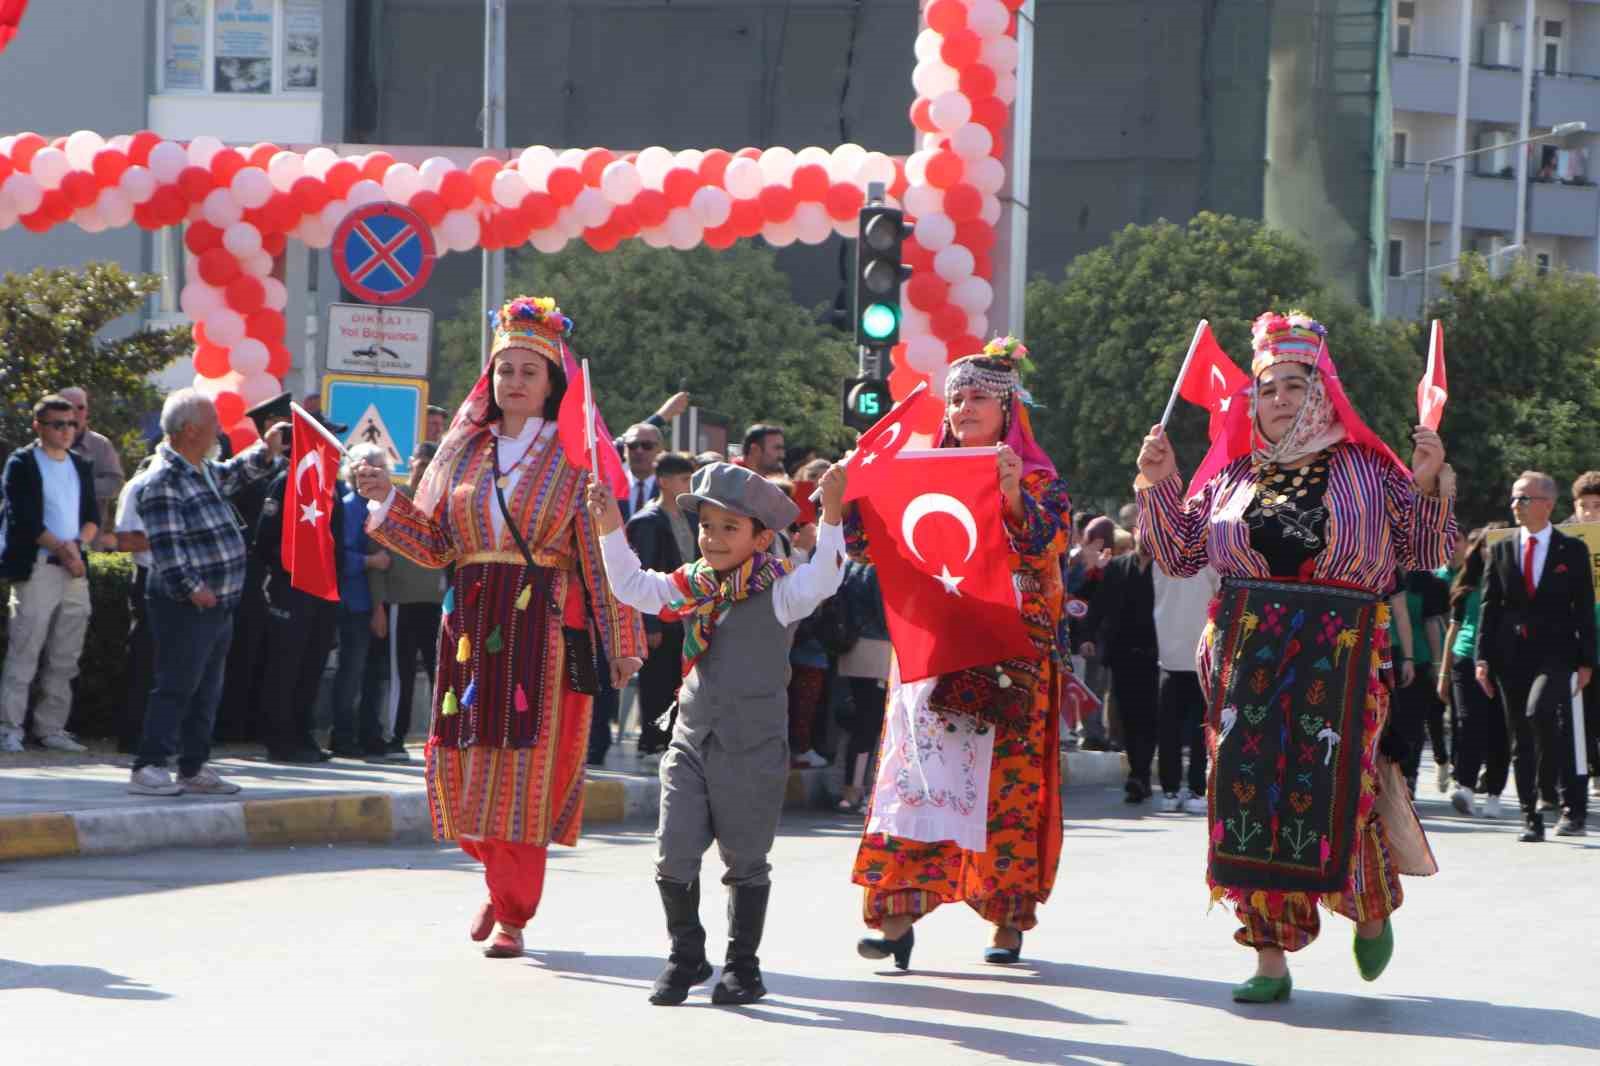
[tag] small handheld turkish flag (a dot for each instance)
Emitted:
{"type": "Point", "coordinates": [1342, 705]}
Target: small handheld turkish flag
{"type": "Point", "coordinates": [1210, 379]}
{"type": "Point", "coordinates": [308, 504]}
{"type": "Point", "coordinates": [1433, 390]}
{"type": "Point", "coordinates": [1078, 701]}
{"type": "Point", "coordinates": [944, 562]}
{"type": "Point", "coordinates": [583, 432]}
{"type": "Point", "coordinates": [918, 415]}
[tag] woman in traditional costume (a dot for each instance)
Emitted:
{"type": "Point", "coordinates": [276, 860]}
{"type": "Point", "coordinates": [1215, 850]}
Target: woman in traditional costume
{"type": "Point", "coordinates": [526, 610]}
{"type": "Point", "coordinates": [1306, 514]}
{"type": "Point", "coordinates": [983, 827]}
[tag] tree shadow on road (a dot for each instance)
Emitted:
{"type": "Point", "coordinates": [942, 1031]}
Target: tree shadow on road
{"type": "Point", "coordinates": [74, 980]}
{"type": "Point", "coordinates": [821, 1003]}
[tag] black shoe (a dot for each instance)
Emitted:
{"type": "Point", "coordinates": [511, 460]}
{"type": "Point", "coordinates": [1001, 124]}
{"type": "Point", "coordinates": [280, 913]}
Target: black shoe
{"type": "Point", "coordinates": [999, 956]}
{"type": "Point", "coordinates": [686, 965]}
{"type": "Point", "coordinates": [741, 969]}
{"type": "Point", "coordinates": [1092, 744]}
{"type": "Point", "coordinates": [349, 751]}
{"type": "Point", "coordinates": [1135, 791]}
{"type": "Point", "coordinates": [877, 947]}
{"type": "Point", "coordinates": [297, 756]}
{"type": "Point", "coordinates": [1571, 827]}
{"type": "Point", "coordinates": [1533, 833]}
{"type": "Point", "coordinates": [395, 751]}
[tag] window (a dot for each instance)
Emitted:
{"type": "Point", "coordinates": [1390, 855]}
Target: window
{"type": "Point", "coordinates": [1397, 258]}
{"type": "Point", "coordinates": [1552, 46]}
{"type": "Point", "coordinates": [1543, 261]}
{"type": "Point", "coordinates": [257, 47]}
{"type": "Point", "coordinates": [1405, 15]}
{"type": "Point", "coordinates": [1400, 138]}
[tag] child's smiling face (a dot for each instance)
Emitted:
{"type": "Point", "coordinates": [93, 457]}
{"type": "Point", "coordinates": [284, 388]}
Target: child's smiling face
{"type": "Point", "coordinates": [727, 538]}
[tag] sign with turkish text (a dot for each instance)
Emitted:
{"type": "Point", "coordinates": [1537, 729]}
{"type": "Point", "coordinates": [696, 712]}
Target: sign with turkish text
{"type": "Point", "coordinates": [379, 340]}
{"type": "Point", "coordinates": [386, 411]}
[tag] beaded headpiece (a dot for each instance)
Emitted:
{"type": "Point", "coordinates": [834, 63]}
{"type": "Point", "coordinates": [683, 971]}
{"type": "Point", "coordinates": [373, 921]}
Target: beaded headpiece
{"type": "Point", "coordinates": [1279, 338]}
{"type": "Point", "coordinates": [534, 323]}
{"type": "Point", "coordinates": [996, 371]}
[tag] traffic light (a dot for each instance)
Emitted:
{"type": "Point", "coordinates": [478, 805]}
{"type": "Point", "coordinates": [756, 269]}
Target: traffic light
{"type": "Point", "coordinates": [879, 274]}
{"type": "Point", "coordinates": [865, 401]}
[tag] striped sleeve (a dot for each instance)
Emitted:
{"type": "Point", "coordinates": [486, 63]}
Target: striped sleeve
{"type": "Point", "coordinates": [421, 538]}
{"type": "Point", "coordinates": [1422, 528]}
{"type": "Point", "coordinates": [1175, 530]}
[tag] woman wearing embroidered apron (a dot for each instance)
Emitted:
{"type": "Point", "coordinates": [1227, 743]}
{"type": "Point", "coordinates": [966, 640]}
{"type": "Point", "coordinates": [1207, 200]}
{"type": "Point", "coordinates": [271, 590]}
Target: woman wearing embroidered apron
{"type": "Point", "coordinates": [983, 827]}
{"type": "Point", "coordinates": [516, 674]}
{"type": "Point", "coordinates": [1305, 513]}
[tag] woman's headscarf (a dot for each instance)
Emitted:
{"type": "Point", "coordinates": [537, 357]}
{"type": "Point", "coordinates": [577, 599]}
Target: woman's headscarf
{"type": "Point", "coordinates": [996, 372]}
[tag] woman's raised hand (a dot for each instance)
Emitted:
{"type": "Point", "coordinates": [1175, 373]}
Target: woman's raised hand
{"type": "Point", "coordinates": [373, 482]}
{"type": "Point", "coordinates": [1156, 461]}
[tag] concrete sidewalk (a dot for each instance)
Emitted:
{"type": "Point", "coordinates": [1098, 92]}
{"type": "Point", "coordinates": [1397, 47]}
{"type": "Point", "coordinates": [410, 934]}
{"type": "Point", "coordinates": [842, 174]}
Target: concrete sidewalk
{"type": "Point", "coordinates": [53, 805]}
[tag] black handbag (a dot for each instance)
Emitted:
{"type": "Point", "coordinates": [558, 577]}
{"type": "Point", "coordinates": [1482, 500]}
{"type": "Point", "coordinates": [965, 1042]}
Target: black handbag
{"type": "Point", "coordinates": [583, 669]}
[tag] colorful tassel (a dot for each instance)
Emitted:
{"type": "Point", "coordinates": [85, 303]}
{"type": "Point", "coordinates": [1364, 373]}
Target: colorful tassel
{"type": "Point", "coordinates": [469, 697]}
{"type": "Point", "coordinates": [522, 701]}
{"type": "Point", "coordinates": [472, 593]}
{"type": "Point", "coordinates": [494, 644]}
{"type": "Point", "coordinates": [463, 649]}
{"type": "Point", "coordinates": [523, 597]}
{"type": "Point", "coordinates": [449, 603]}
{"type": "Point", "coordinates": [451, 707]}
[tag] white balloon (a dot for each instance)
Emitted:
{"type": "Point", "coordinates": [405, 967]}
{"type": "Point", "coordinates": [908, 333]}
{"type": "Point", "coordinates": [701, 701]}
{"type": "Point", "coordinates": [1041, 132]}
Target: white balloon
{"type": "Point", "coordinates": [115, 207]}
{"type": "Point", "coordinates": [241, 239]}
{"type": "Point", "coordinates": [251, 187]}
{"type": "Point", "coordinates": [571, 222]}
{"type": "Point", "coordinates": [742, 178]}
{"type": "Point", "coordinates": [812, 157]}
{"type": "Point", "coordinates": [917, 167]}
{"type": "Point", "coordinates": [313, 234]}
{"type": "Point", "coordinates": [203, 149]}
{"type": "Point", "coordinates": [876, 167]}
{"type": "Point", "coordinates": [924, 353]}
{"type": "Point", "coordinates": [49, 167]}
{"type": "Point", "coordinates": [198, 300]}
{"type": "Point", "coordinates": [653, 163]}
{"type": "Point", "coordinates": [509, 188]}
{"type": "Point", "coordinates": [248, 357]}
{"type": "Point", "coordinates": [24, 192]}
{"type": "Point", "coordinates": [401, 182]}
{"type": "Point", "coordinates": [284, 169]}
{"type": "Point", "coordinates": [138, 184]}
{"type": "Point", "coordinates": [366, 191]}
{"type": "Point", "coordinates": [8, 217]}
{"type": "Point", "coordinates": [972, 141]}
{"type": "Point", "coordinates": [257, 264]}
{"type": "Point", "coordinates": [986, 175]}
{"type": "Point", "coordinates": [191, 268]}
{"type": "Point", "coordinates": [1006, 89]}
{"type": "Point", "coordinates": [953, 262]}
{"type": "Point", "coordinates": [711, 206]}
{"type": "Point", "coordinates": [930, 142]}
{"type": "Point", "coordinates": [689, 159]}
{"type": "Point", "coordinates": [536, 161]}
{"type": "Point", "coordinates": [927, 45]}
{"type": "Point", "coordinates": [924, 200]}
{"type": "Point", "coordinates": [655, 237]}
{"type": "Point", "coordinates": [332, 214]}
{"type": "Point", "coordinates": [620, 181]}
{"type": "Point", "coordinates": [591, 207]}
{"type": "Point", "coordinates": [978, 325]}
{"type": "Point", "coordinates": [932, 77]}
{"type": "Point", "coordinates": [277, 294]}
{"type": "Point", "coordinates": [935, 231]}
{"type": "Point", "coordinates": [913, 323]}
{"type": "Point", "coordinates": [991, 210]}
{"type": "Point", "coordinates": [220, 208]}
{"type": "Point", "coordinates": [571, 157]}
{"type": "Point", "coordinates": [845, 162]}
{"type": "Point", "coordinates": [167, 162]}
{"type": "Point", "coordinates": [950, 110]}
{"type": "Point", "coordinates": [433, 170]}
{"type": "Point", "coordinates": [259, 388]}
{"type": "Point", "coordinates": [812, 225]}
{"type": "Point", "coordinates": [461, 229]}
{"type": "Point", "coordinates": [779, 234]}
{"type": "Point", "coordinates": [318, 160]}
{"type": "Point", "coordinates": [212, 387]}
{"type": "Point", "coordinates": [88, 219]}
{"type": "Point", "coordinates": [683, 229]}
{"type": "Point", "coordinates": [81, 147]}
{"type": "Point", "coordinates": [1000, 54]}
{"type": "Point", "coordinates": [973, 295]}
{"type": "Point", "coordinates": [849, 228]}
{"type": "Point", "coordinates": [777, 165]}
{"type": "Point", "coordinates": [987, 18]}
{"type": "Point", "coordinates": [225, 326]}
{"type": "Point", "coordinates": [548, 241]}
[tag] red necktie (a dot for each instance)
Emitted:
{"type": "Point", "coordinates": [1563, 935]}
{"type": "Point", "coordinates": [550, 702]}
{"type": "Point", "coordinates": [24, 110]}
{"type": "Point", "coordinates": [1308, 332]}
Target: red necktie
{"type": "Point", "coordinates": [1527, 567]}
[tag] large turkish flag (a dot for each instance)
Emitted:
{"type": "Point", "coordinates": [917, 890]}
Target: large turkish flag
{"type": "Point", "coordinates": [308, 505]}
{"type": "Point", "coordinates": [944, 562]}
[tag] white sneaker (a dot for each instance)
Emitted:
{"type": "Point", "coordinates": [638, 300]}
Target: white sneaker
{"type": "Point", "coordinates": [1444, 777]}
{"type": "Point", "coordinates": [207, 783]}
{"type": "Point", "coordinates": [153, 781]}
{"type": "Point", "coordinates": [61, 742]}
{"type": "Point", "coordinates": [11, 743]}
{"type": "Point", "coordinates": [1189, 803]}
{"type": "Point", "coordinates": [1168, 804]}
{"type": "Point", "coordinates": [811, 759]}
{"type": "Point", "coordinates": [1461, 800]}
{"type": "Point", "coordinates": [1491, 807]}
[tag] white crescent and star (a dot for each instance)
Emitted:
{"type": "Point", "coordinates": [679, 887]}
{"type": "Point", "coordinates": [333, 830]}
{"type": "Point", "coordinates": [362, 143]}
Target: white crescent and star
{"type": "Point", "coordinates": [312, 460]}
{"type": "Point", "coordinates": [883, 446]}
{"type": "Point", "coordinates": [930, 503]}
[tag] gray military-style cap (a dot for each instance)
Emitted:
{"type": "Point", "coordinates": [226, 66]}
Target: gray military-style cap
{"type": "Point", "coordinates": [742, 491]}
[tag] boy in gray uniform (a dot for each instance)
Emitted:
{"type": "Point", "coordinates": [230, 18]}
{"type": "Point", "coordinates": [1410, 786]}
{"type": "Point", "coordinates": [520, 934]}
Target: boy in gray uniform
{"type": "Point", "coordinates": [724, 775]}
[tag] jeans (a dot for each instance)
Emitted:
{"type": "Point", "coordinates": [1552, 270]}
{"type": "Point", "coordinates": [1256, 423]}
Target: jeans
{"type": "Point", "coordinates": [191, 653]}
{"type": "Point", "coordinates": [357, 685]}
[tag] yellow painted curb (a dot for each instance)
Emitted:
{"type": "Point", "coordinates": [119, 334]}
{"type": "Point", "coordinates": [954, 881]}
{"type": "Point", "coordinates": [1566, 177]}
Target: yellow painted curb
{"type": "Point", "coordinates": [320, 820]}
{"type": "Point", "coordinates": [37, 836]}
{"type": "Point", "coordinates": [604, 801]}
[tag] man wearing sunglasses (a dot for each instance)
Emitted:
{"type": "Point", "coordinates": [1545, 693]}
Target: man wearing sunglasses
{"type": "Point", "coordinates": [49, 515]}
{"type": "Point", "coordinates": [642, 444]}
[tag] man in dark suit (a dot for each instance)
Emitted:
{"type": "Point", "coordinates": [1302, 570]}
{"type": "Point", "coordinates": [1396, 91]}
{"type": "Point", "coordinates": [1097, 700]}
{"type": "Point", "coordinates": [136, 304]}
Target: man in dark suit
{"type": "Point", "coordinates": [664, 538]}
{"type": "Point", "coordinates": [1122, 628]}
{"type": "Point", "coordinates": [1535, 632]}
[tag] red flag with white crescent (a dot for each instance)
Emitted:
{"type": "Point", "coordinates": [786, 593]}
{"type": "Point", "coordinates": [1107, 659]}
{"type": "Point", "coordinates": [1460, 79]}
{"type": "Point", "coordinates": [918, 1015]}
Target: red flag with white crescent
{"type": "Point", "coordinates": [911, 422]}
{"type": "Point", "coordinates": [308, 503]}
{"type": "Point", "coordinates": [1434, 388]}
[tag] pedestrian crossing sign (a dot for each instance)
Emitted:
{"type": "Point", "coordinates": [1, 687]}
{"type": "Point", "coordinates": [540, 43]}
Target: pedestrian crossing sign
{"type": "Point", "coordinates": [386, 411]}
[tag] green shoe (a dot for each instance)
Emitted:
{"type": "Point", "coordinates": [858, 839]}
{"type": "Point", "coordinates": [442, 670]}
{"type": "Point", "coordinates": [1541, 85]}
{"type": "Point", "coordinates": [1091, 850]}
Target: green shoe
{"type": "Point", "coordinates": [1263, 989]}
{"type": "Point", "coordinates": [1373, 955]}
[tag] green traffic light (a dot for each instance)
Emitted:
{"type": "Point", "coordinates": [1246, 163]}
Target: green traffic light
{"type": "Point", "coordinates": [879, 321]}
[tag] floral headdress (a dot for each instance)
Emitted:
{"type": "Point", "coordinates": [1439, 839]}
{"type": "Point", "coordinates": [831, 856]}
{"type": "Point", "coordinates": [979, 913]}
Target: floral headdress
{"type": "Point", "coordinates": [1292, 338]}
{"type": "Point", "coordinates": [997, 371]}
{"type": "Point", "coordinates": [531, 322]}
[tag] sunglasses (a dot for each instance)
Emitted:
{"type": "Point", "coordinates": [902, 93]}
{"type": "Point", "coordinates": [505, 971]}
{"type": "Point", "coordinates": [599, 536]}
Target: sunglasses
{"type": "Point", "coordinates": [642, 446]}
{"type": "Point", "coordinates": [59, 424]}
{"type": "Point", "coordinates": [1517, 501]}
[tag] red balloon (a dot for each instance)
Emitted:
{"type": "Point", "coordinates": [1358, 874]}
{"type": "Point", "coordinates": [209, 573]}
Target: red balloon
{"type": "Point", "coordinates": [210, 361]}
{"type": "Point", "coordinates": [920, 117]}
{"type": "Point", "coordinates": [59, 142]}
{"type": "Point", "coordinates": [720, 237]}
{"type": "Point", "coordinates": [281, 214]}
{"type": "Point", "coordinates": [309, 194]}
{"type": "Point", "coordinates": [261, 153]}
{"type": "Point", "coordinates": [777, 203]}
{"type": "Point", "coordinates": [964, 345]}
{"type": "Point", "coordinates": [745, 218]}
{"type": "Point", "coordinates": [946, 17]}
{"type": "Point", "coordinates": [195, 183]}
{"type": "Point", "coordinates": [991, 112]}
{"type": "Point", "coordinates": [748, 153]}
{"type": "Point", "coordinates": [1013, 6]}
{"type": "Point", "coordinates": [947, 322]}
{"type": "Point", "coordinates": [902, 382]}
{"type": "Point", "coordinates": [810, 182]}
{"type": "Point", "coordinates": [39, 222]}
{"type": "Point", "coordinates": [457, 190]}
{"type": "Point", "coordinates": [230, 407]}
{"type": "Point", "coordinates": [23, 149]}
{"type": "Point", "coordinates": [80, 188]}
{"type": "Point", "coordinates": [998, 150]}
{"type": "Point", "coordinates": [430, 205]}
{"type": "Point", "coordinates": [169, 205]}
{"type": "Point", "coordinates": [265, 325]}
{"type": "Point", "coordinates": [915, 256]}
{"type": "Point", "coordinates": [539, 210]}
{"type": "Point", "coordinates": [713, 165]}
{"type": "Point", "coordinates": [5, 168]}
{"type": "Point", "coordinates": [975, 234]}
{"type": "Point", "coordinates": [517, 228]}
{"type": "Point", "coordinates": [57, 206]}
{"type": "Point", "coordinates": [482, 172]}
{"type": "Point", "coordinates": [139, 147]}
{"type": "Point", "coordinates": [963, 202]}
{"type": "Point", "coordinates": [242, 434]}
{"type": "Point", "coordinates": [246, 294]}
{"type": "Point", "coordinates": [961, 48]}
{"type": "Point", "coordinates": [109, 166]}
{"type": "Point", "coordinates": [225, 164]}
{"type": "Point", "coordinates": [200, 338]}
{"type": "Point", "coordinates": [843, 202]}
{"type": "Point", "coordinates": [927, 291]}
{"type": "Point", "coordinates": [898, 187]}
{"type": "Point", "coordinates": [624, 221]}
{"type": "Point", "coordinates": [375, 166]}
{"type": "Point", "coordinates": [564, 184]}
{"type": "Point", "coordinates": [945, 169]}
{"type": "Point", "coordinates": [679, 186]}
{"type": "Point", "coordinates": [340, 177]}
{"type": "Point", "coordinates": [595, 161]}
{"type": "Point", "coordinates": [977, 81]}
{"type": "Point", "coordinates": [277, 360]}
{"type": "Point", "coordinates": [982, 266]}
{"type": "Point", "coordinates": [274, 243]}
{"type": "Point", "coordinates": [651, 206]}
{"type": "Point", "coordinates": [218, 267]}
{"type": "Point", "coordinates": [601, 238]}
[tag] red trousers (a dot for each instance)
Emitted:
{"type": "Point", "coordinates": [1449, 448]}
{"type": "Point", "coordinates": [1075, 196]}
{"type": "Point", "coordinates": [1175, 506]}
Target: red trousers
{"type": "Point", "coordinates": [515, 875]}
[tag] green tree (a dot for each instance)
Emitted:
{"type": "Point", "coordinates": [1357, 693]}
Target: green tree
{"type": "Point", "coordinates": [1109, 337]}
{"type": "Point", "coordinates": [1524, 358]}
{"type": "Point", "coordinates": [721, 325]}
{"type": "Point", "coordinates": [51, 323]}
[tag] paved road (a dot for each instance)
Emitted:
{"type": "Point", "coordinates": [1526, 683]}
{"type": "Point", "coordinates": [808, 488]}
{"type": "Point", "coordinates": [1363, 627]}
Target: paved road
{"type": "Point", "coordinates": [357, 955]}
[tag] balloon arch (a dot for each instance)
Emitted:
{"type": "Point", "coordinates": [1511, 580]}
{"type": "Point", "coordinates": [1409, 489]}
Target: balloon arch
{"type": "Point", "coordinates": [243, 205]}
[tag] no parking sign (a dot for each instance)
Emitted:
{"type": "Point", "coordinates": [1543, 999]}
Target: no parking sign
{"type": "Point", "coordinates": [383, 253]}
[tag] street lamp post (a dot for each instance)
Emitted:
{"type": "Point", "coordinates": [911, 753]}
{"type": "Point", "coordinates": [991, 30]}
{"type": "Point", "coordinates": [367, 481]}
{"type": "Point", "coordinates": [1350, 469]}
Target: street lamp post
{"type": "Point", "coordinates": [1562, 129]}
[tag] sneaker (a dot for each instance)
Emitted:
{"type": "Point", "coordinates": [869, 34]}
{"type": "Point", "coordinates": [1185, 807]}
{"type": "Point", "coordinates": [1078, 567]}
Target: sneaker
{"type": "Point", "coordinates": [61, 742]}
{"type": "Point", "coordinates": [349, 751]}
{"type": "Point", "coordinates": [207, 783]}
{"type": "Point", "coordinates": [1168, 803]}
{"type": "Point", "coordinates": [1461, 800]}
{"type": "Point", "coordinates": [1491, 807]}
{"type": "Point", "coordinates": [153, 781]}
{"type": "Point", "coordinates": [1190, 803]}
{"type": "Point", "coordinates": [1571, 827]}
{"type": "Point", "coordinates": [1444, 777]}
{"type": "Point", "coordinates": [395, 751]}
{"type": "Point", "coordinates": [811, 760]}
{"type": "Point", "coordinates": [11, 743]}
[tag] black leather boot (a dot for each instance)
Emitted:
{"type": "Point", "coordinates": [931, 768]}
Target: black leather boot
{"type": "Point", "coordinates": [1533, 829]}
{"type": "Point", "coordinates": [741, 971]}
{"type": "Point", "coordinates": [686, 965]}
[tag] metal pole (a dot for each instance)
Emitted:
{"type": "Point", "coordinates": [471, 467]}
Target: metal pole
{"type": "Point", "coordinates": [1463, 87]}
{"type": "Point", "coordinates": [1528, 23]}
{"type": "Point", "coordinates": [494, 136]}
{"type": "Point", "coordinates": [1427, 232]}
{"type": "Point", "coordinates": [1007, 314]}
